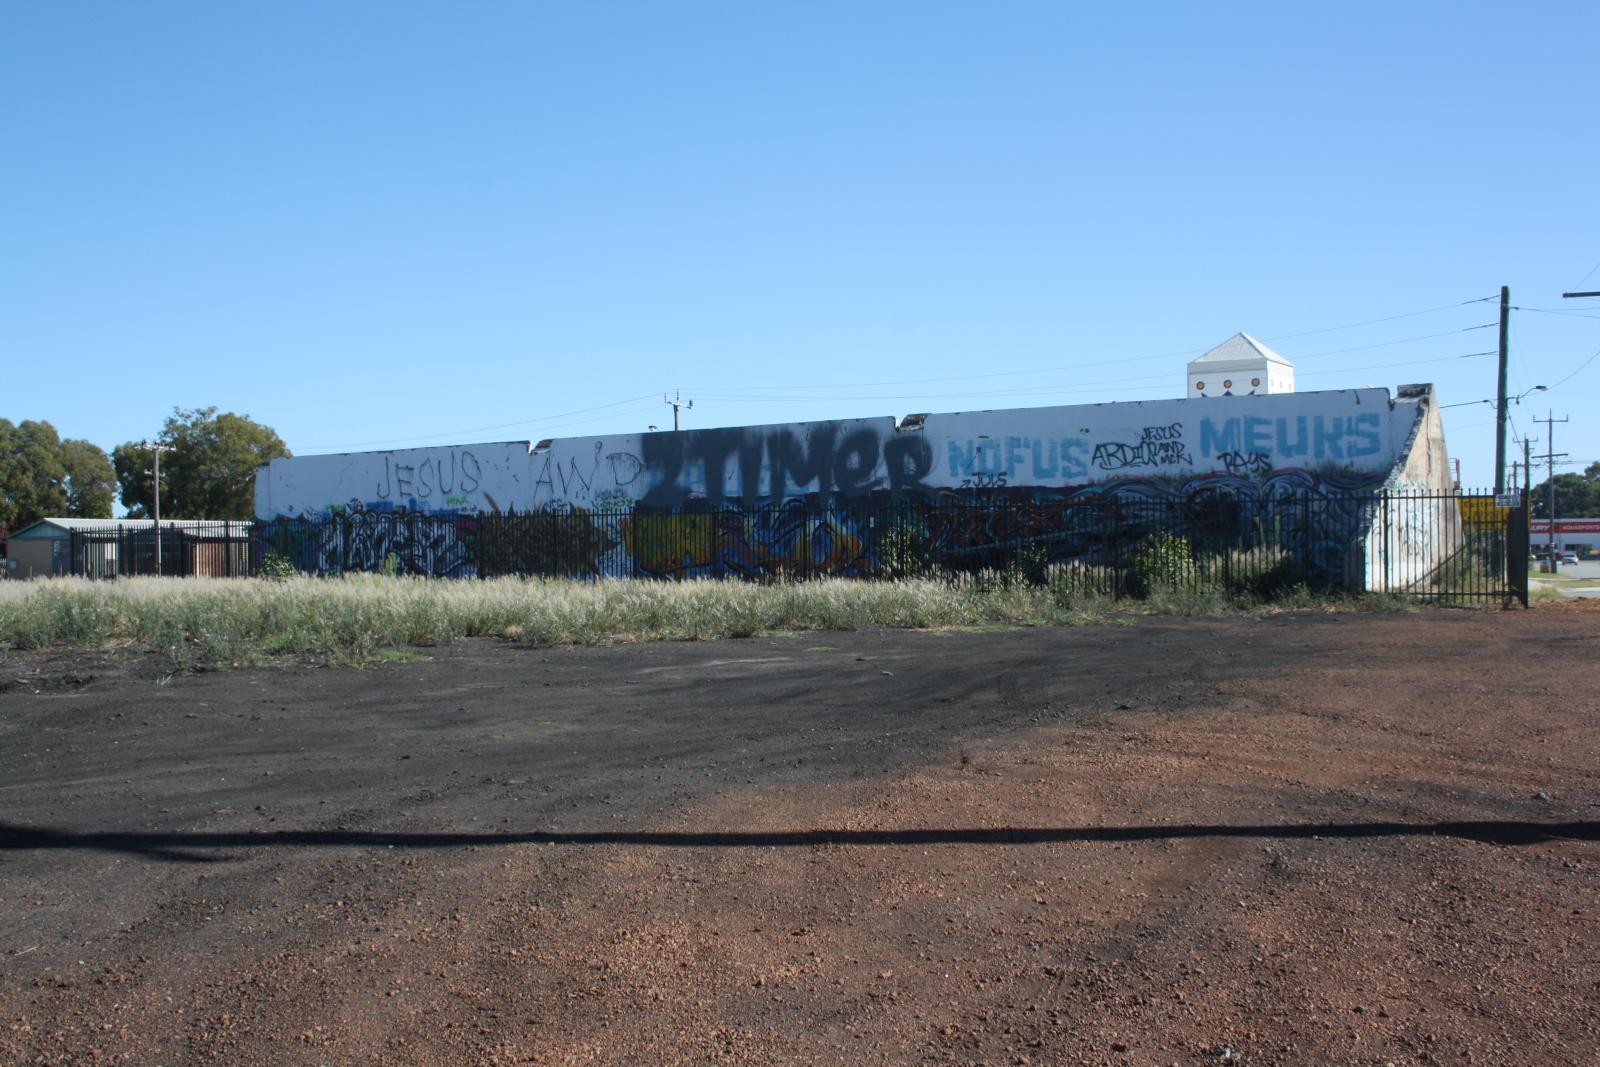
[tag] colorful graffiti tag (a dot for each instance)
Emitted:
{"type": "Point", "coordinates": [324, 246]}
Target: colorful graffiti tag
{"type": "Point", "coordinates": [816, 497]}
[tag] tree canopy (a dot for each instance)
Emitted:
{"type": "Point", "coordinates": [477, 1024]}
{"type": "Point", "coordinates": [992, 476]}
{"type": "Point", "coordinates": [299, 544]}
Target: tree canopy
{"type": "Point", "coordinates": [41, 475]}
{"type": "Point", "coordinates": [1577, 495]}
{"type": "Point", "coordinates": [208, 465]}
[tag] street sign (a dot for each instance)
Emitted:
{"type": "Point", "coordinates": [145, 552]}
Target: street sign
{"type": "Point", "coordinates": [1507, 500]}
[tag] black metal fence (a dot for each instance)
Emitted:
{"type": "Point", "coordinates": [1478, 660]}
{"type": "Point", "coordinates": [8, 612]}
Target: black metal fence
{"type": "Point", "coordinates": [187, 550]}
{"type": "Point", "coordinates": [1434, 545]}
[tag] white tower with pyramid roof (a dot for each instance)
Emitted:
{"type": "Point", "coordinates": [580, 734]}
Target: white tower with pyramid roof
{"type": "Point", "coordinates": [1240, 366]}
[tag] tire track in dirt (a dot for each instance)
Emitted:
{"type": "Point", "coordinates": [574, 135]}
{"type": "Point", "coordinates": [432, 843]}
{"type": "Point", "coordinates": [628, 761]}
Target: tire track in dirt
{"type": "Point", "coordinates": [1164, 947]}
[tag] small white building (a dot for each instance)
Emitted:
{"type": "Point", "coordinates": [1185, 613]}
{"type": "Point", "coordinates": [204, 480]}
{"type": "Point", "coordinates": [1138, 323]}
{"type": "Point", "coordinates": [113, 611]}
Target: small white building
{"type": "Point", "coordinates": [1240, 366]}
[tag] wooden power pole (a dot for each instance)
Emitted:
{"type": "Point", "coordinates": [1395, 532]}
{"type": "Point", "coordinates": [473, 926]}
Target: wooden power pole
{"type": "Point", "coordinates": [1550, 457]}
{"type": "Point", "coordinates": [1501, 411]}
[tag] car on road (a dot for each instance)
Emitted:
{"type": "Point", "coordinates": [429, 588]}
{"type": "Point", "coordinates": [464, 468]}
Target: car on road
{"type": "Point", "coordinates": [1569, 557]}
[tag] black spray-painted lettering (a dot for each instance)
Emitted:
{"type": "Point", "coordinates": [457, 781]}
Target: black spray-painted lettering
{"type": "Point", "coordinates": [407, 480]}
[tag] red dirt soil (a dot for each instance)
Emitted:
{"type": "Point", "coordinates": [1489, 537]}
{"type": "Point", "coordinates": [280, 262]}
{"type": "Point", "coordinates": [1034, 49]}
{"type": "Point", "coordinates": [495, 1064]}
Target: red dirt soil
{"type": "Point", "coordinates": [1306, 839]}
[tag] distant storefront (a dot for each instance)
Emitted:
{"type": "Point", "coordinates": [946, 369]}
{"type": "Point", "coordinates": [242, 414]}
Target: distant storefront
{"type": "Point", "coordinates": [1572, 535]}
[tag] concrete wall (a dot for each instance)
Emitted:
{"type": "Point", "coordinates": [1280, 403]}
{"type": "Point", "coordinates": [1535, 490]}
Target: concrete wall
{"type": "Point", "coordinates": [1042, 450]}
{"type": "Point", "coordinates": [1414, 525]}
{"type": "Point", "coordinates": [1351, 438]}
{"type": "Point", "coordinates": [448, 480]}
{"type": "Point", "coordinates": [590, 504]}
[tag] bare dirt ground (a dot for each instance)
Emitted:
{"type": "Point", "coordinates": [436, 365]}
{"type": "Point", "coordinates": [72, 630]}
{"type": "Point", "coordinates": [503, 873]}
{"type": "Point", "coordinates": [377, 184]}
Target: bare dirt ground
{"type": "Point", "coordinates": [1295, 839]}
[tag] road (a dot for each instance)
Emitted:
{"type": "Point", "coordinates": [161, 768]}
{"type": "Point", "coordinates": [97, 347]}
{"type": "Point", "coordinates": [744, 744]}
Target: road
{"type": "Point", "coordinates": [1584, 579]}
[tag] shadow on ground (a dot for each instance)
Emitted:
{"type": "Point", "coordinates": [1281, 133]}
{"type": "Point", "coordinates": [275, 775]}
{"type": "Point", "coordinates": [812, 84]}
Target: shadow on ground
{"type": "Point", "coordinates": [179, 847]}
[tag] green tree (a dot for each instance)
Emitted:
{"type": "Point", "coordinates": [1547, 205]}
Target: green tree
{"type": "Point", "coordinates": [91, 483]}
{"type": "Point", "coordinates": [31, 473]}
{"type": "Point", "coordinates": [1577, 495]}
{"type": "Point", "coordinates": [208, 465]}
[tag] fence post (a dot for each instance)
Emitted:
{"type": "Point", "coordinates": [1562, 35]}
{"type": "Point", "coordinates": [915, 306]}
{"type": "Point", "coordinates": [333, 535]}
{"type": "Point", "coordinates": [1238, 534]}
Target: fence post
{"type": "Point", "coordinates": [1116, 544]}
{"type": "Point", "coordinates": [1517, 550]}
{"type": "Point", "coordinates": [1388, 543]}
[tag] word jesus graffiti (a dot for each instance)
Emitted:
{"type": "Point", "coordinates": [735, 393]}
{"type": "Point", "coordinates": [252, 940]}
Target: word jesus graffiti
{"type": "Point", "coordinates": [1159, 446]}
{"type": "Point", "coordinates": [457, 472]}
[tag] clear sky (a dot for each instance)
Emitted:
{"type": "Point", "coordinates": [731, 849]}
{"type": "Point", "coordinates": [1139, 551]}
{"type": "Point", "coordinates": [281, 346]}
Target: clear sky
{"type": "Point", "coordinates": [385, 224]}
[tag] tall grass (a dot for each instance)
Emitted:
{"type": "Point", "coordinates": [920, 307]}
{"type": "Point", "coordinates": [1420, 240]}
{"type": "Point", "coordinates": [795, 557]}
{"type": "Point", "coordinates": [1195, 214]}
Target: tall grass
{"type": "Point", "coordinates": [238, 621]}
{"type": "Point", "coordinates": [241, 621]}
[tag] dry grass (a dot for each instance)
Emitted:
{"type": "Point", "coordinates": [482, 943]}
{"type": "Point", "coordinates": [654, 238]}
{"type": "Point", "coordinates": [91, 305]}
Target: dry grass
{"type": "Point", "coordinates": [239, 622]}
{"type": "Point", "coordinates": [242, 621]}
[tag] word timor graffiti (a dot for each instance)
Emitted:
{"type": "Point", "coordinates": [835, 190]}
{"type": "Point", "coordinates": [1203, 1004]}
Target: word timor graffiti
{"type": "Point", "coordinates": [1344, 440]}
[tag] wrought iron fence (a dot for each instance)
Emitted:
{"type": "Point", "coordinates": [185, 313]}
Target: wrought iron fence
{"type": "Point", "coordinates": [177, 550]}
{"type": "Point", "coordinates": [1432, 545]}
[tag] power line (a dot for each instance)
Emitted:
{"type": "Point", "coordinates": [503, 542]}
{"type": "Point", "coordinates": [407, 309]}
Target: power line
{"type": "Point", "coordinates": [1080, 387]}
{"type": "Point", "coordinates": [748, 396]}
{"type": "Point", "coordinates": [1183, 352]}
{"type": "Point", "coordinates": [1391, 344]}
{"type": "Point", "coordinates": [1371, 322]}
{"type": "Point", "coordinates": [751, 393]}
{"type": "Point", "coordinates": [1586, 277]}
{"type": "Point", "coordinates": [1575, 373]}
{"type": "Point", "coordinates": [485, 429]}
{"type": "Point", "coordinates": [1560, 311]}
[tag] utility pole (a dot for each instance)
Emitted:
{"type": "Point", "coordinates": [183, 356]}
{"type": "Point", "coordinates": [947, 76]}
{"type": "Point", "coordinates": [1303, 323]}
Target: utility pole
{"type": "Point", "coordinates": [156, 448]}
{"type": "Point", "coordinates": [1550, 457]}
{"type": "Point", "coordinates": [1527, 469]}
{"type": "Point", "coordinates": [1500, 394]}
{"type": "Point", "coordinates": [677, 401]}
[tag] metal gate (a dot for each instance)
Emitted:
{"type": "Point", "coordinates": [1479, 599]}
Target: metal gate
{"type": "Point", "coordinates": [1456, 548]}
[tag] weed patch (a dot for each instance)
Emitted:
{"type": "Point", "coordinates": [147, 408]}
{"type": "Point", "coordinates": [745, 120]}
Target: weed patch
{"type": "Point", "coordinates": [372, 618]}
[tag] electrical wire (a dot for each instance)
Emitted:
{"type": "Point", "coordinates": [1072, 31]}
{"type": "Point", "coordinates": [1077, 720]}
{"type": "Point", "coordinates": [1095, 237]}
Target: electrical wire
{"type": "Point", "coordinates": [1170, 355]}
{"type": "Point", "coordinates": [1586, 277]}
{"type": "Point", "coordinates": [750, 395]}
{"type": "Point", "coordinates": [1386, 366]}
{"type": "Point", "coordinates": [1371, 322]}
{"type": "Point", "coordinates": [1575, 373]}
{"type": "Point", "coordinates": [1571, 314]}
{"type": "Point", "coordinates": [1080, 387]}
{"type": "Point", "coordinates": [1401, 341]}
{"type": "Point", "coordinates": [484, 429]}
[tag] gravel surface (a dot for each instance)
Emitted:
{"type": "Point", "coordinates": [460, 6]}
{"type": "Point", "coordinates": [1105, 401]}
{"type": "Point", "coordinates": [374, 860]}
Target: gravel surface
{"type": "Point", "coordinates": [1304, 838]}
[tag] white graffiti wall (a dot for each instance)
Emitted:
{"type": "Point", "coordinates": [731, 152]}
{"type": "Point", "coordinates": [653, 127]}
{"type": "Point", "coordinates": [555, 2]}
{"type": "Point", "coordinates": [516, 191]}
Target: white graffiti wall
{"type": "Point", "coordinates": [1348, 432]}
{"type": "Point", "coordinates": [452, 479]}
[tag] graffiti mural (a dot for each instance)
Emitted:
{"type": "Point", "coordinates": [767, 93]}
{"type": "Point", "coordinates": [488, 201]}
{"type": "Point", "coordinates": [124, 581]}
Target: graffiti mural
{"type": "Point", "coordinates": [1070, 483]}
{"type": "Point", "coordinates": [354, 541]}
{"type": "Point", "coordinates": [458, 479]}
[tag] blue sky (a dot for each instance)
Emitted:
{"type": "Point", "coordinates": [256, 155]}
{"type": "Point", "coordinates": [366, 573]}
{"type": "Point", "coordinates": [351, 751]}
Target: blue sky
{"type": "Point", "coordinates": [384, 224]}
